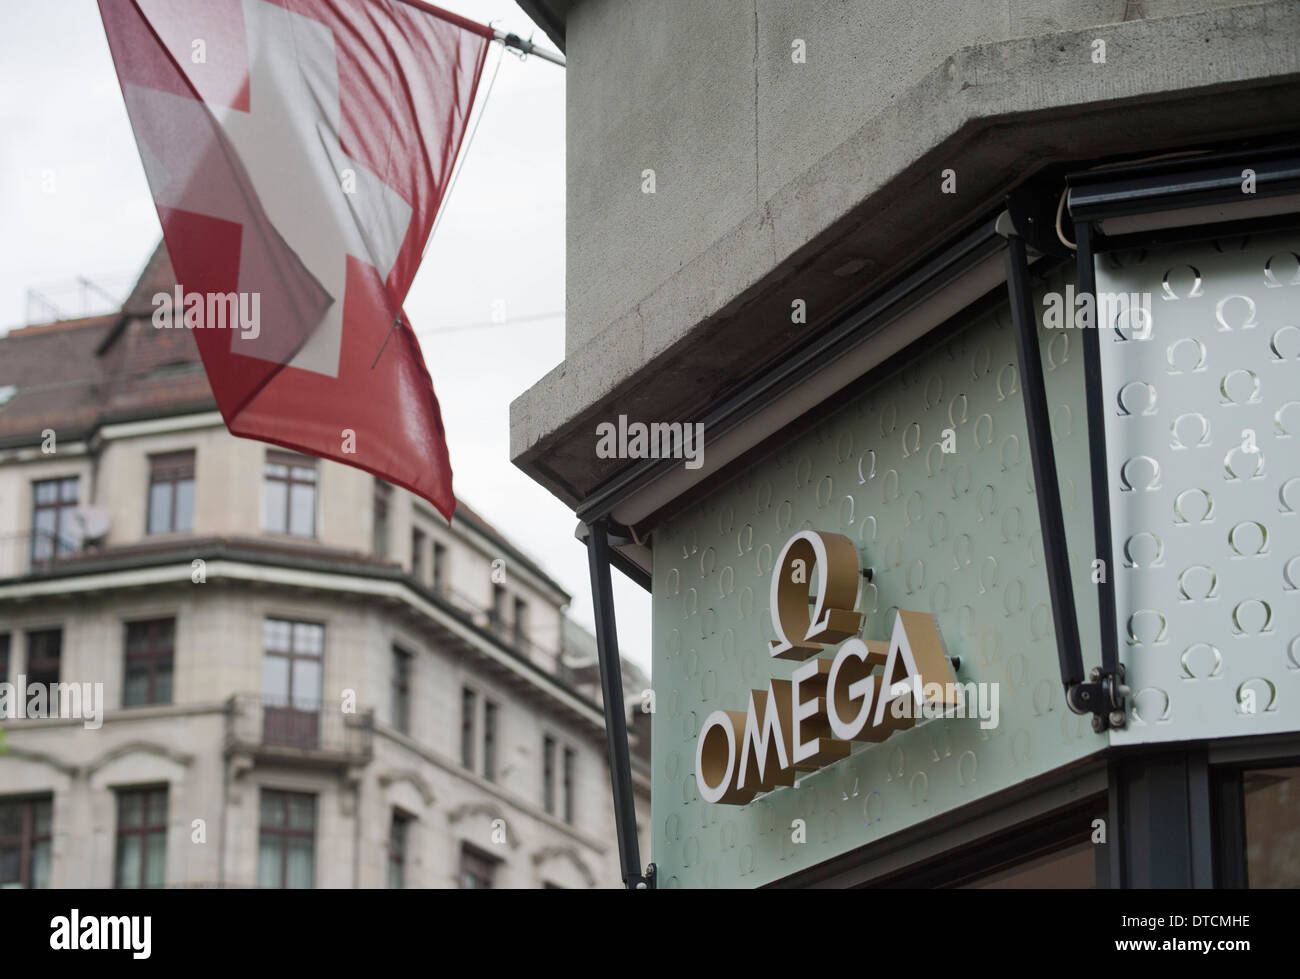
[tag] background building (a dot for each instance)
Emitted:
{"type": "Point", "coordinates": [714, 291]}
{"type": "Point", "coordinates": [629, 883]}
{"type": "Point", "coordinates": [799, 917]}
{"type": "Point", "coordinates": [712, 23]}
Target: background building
{"type": "Point", "coordinates": [309, 678]}
{"type": "Point", "coordinates": [830, 234]}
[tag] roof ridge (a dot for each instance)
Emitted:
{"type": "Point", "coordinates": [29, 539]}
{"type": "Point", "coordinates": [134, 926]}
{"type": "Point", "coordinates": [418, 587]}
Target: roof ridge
{"type": "Point", "coordinates": [55, 326]}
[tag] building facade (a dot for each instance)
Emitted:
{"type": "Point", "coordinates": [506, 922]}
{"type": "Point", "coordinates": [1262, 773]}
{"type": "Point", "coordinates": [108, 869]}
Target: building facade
{"type": "Point", "coordinates": [986, 313]}
{"type": "Point", "coordinates": [308, 678]}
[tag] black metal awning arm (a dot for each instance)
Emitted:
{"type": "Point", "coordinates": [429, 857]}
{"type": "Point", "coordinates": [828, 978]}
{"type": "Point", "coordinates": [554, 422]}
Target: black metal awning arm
{"type": "Point", "coordinates": [1183, 183]}
{"type": "Point", "coordinates": [1103, 693]}
{"type": "Point", "coordinates": [611, 689]}
{"type": "Point", "coordinates": [1043, 458]}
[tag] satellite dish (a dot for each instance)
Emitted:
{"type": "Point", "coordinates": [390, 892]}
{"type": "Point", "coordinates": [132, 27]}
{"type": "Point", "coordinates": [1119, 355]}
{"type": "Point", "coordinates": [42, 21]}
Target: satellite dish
{"type": "Point", "coordinates": [94, 522]}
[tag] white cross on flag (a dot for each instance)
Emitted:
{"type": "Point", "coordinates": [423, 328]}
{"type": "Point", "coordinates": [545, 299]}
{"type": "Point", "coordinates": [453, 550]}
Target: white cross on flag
{"type": "Point", "coordinates": [297, 152]}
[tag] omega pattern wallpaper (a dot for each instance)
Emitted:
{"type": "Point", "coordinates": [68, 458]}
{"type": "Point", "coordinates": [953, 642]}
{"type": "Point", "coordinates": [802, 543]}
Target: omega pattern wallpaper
{"type": "Point", "coordinates": [1203, 437]}
{"type": "Point", "coordinates": [954, 534]}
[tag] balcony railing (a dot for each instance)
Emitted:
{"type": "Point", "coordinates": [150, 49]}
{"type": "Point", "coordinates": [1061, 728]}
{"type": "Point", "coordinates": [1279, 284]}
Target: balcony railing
{"type": "Point", "coordinates": [306, 731]}
{"type": "Point", "coordinates": [35, 552]}
{"type": "Point", "coordinates": [489, 619]}
{"type": "Point", "coordinates": [549, 658]}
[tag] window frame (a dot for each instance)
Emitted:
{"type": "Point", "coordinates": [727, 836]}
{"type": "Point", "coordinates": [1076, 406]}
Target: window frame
{"type": "Point", "coordinates": [28, 839]}
{"type": "Point", "coordinates": [473, 860]}
{"type": "Point", "coordinates": [497, 611]}
{"type": "Point", "coordinates": [30, 643]}
{"type": "Point", "coordinates": [64, 510]}
{"type": "Point", "coordinates": [285, 719]}
{"type": "Point", "coordinates": [550, 744]}
{"type": "Point", "coordinates": [284, 832]}
{"type": "Point", "coordinates": [291, 462]}
{"type": "Point", "coordinates": [170, 469]}
{"type": "Point", "coordinates": [381, 531]}
{"type": "Point", "coordinates": [147, 794]}
{"type": "Point", "coordinates": [292, 655]}
{"type": "Point", "coordinates": [469, 699]}
{"type": "Point", "coordinates": [152, 657]}
{"type": "Point", "coordinates": [397, 856]}
{"type": "Point", "coordinates": [440, 561]}
{"type": "Point", "coordinates": [519, 620]}
{"type": "Point", "coordinates": [419, 542]}
{"type": "Point", "coordinates": [1228, 768]}
{"type": "Point", "coordinates": [559, 776]}
{"type": "Point", "coordinates": [480, 739]}
{"type": "Point", "coordinates": [569, 765]}
{"type": "Point", "coordinates": [490, 738]}
{"type": "Point", "coordinates": [402, 664]}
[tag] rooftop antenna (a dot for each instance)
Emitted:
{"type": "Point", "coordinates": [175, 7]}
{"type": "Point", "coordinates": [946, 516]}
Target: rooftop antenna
{"type": "Point", "coordinates": [87, 286]}
{"type": "Point", "coordinates": [35, 299]}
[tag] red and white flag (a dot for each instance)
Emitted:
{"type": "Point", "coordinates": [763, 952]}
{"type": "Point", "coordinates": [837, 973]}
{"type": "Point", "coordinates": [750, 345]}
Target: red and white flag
{"type": "Point", "coordinates": [297, 152]}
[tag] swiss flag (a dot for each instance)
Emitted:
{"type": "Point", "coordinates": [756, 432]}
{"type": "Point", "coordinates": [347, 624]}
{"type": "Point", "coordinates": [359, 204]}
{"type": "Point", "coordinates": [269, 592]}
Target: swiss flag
{"type": "Point", "coordinates": [297, 152]}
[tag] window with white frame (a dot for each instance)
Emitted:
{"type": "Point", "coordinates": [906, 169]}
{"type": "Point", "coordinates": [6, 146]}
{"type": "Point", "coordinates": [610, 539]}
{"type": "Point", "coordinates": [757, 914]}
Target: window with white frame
{"type": "Point", "coordinates": [479, 733]}
{"type": "Point", "coordinates": [559, 778]}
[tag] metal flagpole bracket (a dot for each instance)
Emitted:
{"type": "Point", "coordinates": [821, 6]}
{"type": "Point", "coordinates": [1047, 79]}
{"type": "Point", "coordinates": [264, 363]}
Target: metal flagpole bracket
{"type": "Point", "coordinates": [527, 47]}
{"type": "Point", "coordinates": [611, 689]}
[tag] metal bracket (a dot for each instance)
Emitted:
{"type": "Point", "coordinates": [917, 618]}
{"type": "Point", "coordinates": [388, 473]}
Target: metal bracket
{"type": "Point", "coordinates": [1105, 697]}
{"type": "Point", "coordinates": [647, 881]}
{"type": "Point", "coordinates": [526, 47]}
{"type": "Point", "coordinates": [867, 573]}
{"type": "Point", "coordinates": [1031, 213]}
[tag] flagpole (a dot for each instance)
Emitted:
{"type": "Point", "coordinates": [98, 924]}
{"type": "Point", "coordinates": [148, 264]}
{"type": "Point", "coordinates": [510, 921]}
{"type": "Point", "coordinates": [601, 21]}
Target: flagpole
{"type": "Point", "coordinates": [527, 47]}
{"type": "Point", "coordinates": [509, 40]}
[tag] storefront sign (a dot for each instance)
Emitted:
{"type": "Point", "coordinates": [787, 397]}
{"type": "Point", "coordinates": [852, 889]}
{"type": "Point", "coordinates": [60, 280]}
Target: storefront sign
{"type": "Point", "coordinates": [801, 724]}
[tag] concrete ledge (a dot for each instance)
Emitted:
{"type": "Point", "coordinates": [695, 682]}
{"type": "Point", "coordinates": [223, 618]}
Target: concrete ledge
{"type": "Point", "coordinates": [995, 113]}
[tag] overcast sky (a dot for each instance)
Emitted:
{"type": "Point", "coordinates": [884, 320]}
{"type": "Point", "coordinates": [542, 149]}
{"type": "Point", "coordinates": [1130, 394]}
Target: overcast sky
{"type": "Point", "coordinates": [75, 203]}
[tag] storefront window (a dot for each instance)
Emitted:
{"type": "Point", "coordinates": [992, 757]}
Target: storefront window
{"type": "Point", "coordinates": [1073, 867]}
{"type": "Point", "coordinates": [1272, 797]}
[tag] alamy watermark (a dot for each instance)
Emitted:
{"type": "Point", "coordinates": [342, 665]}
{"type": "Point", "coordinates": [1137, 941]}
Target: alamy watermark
{"type": "Point", "coordinates": [127, 932]}
{"type": "Point", "coordinates": [656, 440]}
{"type": "Point", "coordinates": [932, 700]}
{"type": "Point", "coordinates": [20, 700]}
{"type": "Point", "coordinates": [1109, 310]}
{"type": "Point", "coordinates": [209, 311]}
